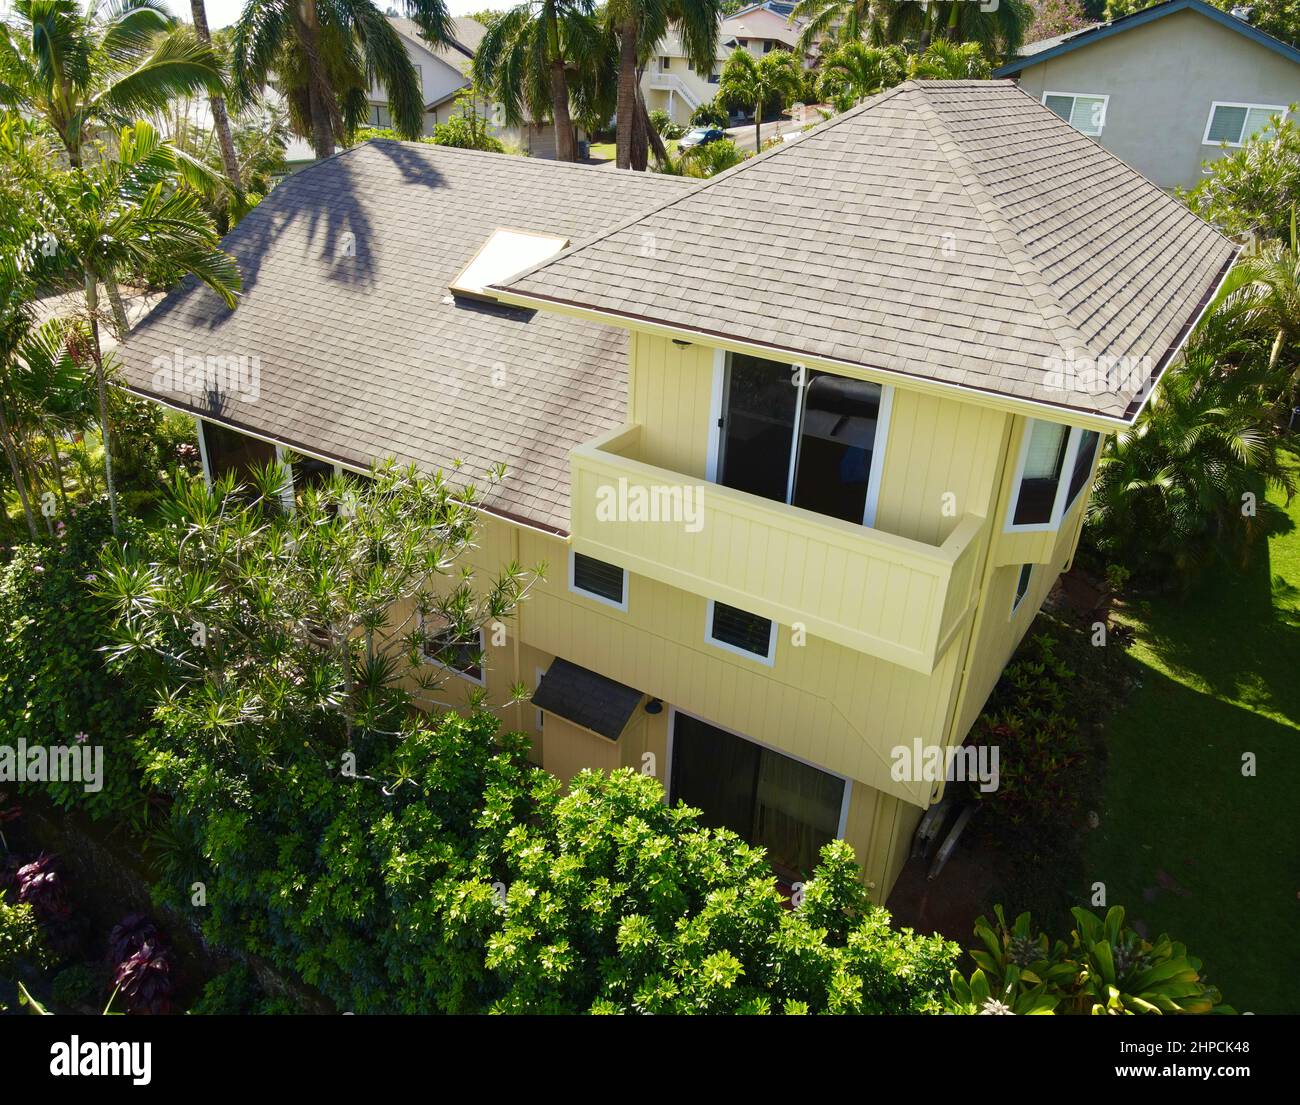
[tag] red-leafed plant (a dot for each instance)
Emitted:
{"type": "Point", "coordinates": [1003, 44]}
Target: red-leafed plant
{"type": "Point", "coordinates": [142, 966]}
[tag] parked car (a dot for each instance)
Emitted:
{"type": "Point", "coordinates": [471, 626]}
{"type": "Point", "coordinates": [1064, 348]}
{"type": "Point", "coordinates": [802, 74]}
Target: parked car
{"type": "Point", "coordinates": [700, 136]}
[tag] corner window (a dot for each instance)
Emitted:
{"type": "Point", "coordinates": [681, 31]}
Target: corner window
{"type": "Point", "coordinates": [741, 632]}
{"type": "Point", "coordinates": [1022, 586]}
{"type": "Point", "coordinates": [596, 579]}
{"type": "Point", "coordinates": [1234, 123]}
{"type": "Point", "coordinates": [460, 655]}
{"type": "Point", "coordinates": [1085, 112]}
{"type": "Point", "coordinates": [1055, 461]}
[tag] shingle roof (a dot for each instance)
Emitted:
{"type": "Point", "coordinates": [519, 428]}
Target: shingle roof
{"type": "Point", "coordinates": [954, 231]}
{"type": "Point", "coordinates": [586, 698]}
{"type": "Point", "coordinates": [466, 35]}
{"type": "Point", "coordinates": [364, 356]}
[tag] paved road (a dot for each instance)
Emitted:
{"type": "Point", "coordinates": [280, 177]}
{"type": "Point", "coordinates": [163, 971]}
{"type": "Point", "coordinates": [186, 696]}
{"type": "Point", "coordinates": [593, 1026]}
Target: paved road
{"type": "Point", "coordinates": [743, 135]}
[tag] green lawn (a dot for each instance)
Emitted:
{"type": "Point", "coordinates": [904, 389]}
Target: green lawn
{"type": "Point", "coordinates": [604, 151]}
{"type": "Point", "coordinates": [1187, 843]}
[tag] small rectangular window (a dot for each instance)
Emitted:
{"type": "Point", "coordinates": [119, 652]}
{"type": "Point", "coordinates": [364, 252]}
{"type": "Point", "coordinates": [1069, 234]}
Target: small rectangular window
{"type": "Point", "coordinates": [665, 63]}
{"type": "Point", "coordinates": [460, 654]}
{"type": "Point", "coordinates": [1234, 123]}
{"type": "Point", "coordinates": [1022, 585]}
{"type": "Point", "coordinates": [1041, 475]}
{"type": "Point", "coordinates": [1085, 113]}
{"type": "Point", "coordinates": [599, 580]}
{"type": "Point", "coordinates": [742, 632]}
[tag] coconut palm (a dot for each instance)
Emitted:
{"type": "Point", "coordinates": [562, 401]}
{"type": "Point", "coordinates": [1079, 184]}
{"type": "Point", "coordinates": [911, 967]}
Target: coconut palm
{"type": "Point", "coordinates": [325, 53]}
{"type": "Point", "coordinates": [540, 57]}
{"type": "Point", "coordinates": [129, 215]}
{"type": "Point", "coordinates": [839, 21]}
{"type": "Point", "coordinates": [639, 25]}
{"type": "Point", "coordinates": [753, 83]}
{"type": "Point", "coordinates": [999, 31]}
{"type": "Point", "coordinates": [950, 61]}
{"type": "Point", "coordinates": [220, 116]}
{"type": "Point", "coordinates": [855, 71]}
{"type": "Point", "coordinates": [99, 67]}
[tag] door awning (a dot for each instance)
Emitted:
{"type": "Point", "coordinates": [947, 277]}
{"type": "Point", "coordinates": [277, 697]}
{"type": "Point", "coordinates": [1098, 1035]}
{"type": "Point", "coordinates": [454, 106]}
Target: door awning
{"type": "Point", "coordinates": [586, 698]}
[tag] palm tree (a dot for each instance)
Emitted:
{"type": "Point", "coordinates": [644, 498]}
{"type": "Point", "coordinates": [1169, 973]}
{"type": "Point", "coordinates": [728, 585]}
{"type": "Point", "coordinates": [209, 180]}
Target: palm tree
{"type": "Point", "coordinates": [840, 21]}
{"type": "Point", "coordinates": [1262, 293]}
{"type": "Point", "coordinates": [999, 31]}
{"type": "Point", "coordinates": [220, 117]}
{"type": "Point", "coordinates": [540, 56]}
{"type": "Point", "coordinates": [950, 61]}
{"type": "Point", "coordinates": [639, 25]}
{"type": "Point", "coordinates": [101, 66]}
{"type": "Point", "coordinates": [129, 215]}
{"type": "Point", "coordinates": [749, 82]}
{"type": "Point", "coordinates": [328, 51]}
{"type": "Point", "coordinates": [855, 71]}
{"type": "Point", "coordinates": [16, 324]}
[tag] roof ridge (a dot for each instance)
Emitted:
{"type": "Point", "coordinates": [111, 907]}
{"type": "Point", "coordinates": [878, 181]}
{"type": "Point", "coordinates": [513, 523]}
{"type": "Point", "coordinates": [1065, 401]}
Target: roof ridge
{"type": "Point", "coordinates": [1031, 277]}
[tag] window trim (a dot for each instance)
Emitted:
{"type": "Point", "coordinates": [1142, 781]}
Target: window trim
{"type": "Point", "coordinates": [1060, 508]}
{"type": "Point", "coordinates": [1016, 596]}
{"type": "Point", "coordinates": [481, 681]}
{"type": "Point", "coordinates": [1272, 109]}
{"type": "Point", "coordinates": [709, 638]}
{"type": "Point", "coordinates": [604, 600]}
{"type": "Point", "coordinates": [1104, 97]}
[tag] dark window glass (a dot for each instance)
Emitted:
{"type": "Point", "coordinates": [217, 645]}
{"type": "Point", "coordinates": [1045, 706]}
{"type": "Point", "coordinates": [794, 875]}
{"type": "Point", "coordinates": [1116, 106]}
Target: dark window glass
{"type": "Point", "coordinates": [1022, 584]}
{"type": "Point", "coordinates": [1083, 463]}
{"type": "Point", "coordinates": [230, 451]}
{"type": "Point", "coordinates": [740, 629]}
{"type": "Point", "coordinates": [836, 441]}
{"type": "Point", "coordinates": [598, 578]}
{"type": "Point", "coordinates": [310, 472]}
{"type": "Point", "coordinates": [768, 799]}
{"type": "Point", "coordinates": [462, 654]}
{"type": "Point", "coordinates": [758, 427]}
{"type": "Point", "coordinates": [1042, 474]}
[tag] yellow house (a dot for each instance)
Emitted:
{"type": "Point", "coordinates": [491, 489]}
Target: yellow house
{"type": "Point", "coordinates": [804, 446]}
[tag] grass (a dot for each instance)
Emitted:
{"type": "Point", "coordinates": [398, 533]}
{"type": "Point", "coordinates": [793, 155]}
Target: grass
{"type": "Point", "coordinates": [604, 151]}
{"type": "Point", "coordinates": [1188, 843]}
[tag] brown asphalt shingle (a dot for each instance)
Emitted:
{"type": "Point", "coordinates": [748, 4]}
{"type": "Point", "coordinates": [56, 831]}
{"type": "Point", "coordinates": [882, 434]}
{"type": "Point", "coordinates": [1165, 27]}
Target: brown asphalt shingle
{"type": "Point", "coordinates": [955, 231]}
{"type": "Point", "coordinates": [363, 357]}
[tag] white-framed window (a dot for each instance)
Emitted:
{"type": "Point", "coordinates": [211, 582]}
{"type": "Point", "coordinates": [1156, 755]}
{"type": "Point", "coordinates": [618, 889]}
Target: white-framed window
{"type": "Point", "coordinates": [741, 632]}
{"type": "Point", "coordinates": [1022, 586]}
{"type": "Point", "coordinates": [463, 656]}
{"type": "Point", "coordinates": [598, 580]}
{"type": "Point", "coordinates": [1055, 462]}
{"type": "Point", "coordinates": [1084, 111]}
{"type": "Point", "coordinates": [1232, 124]}
{"type": "Point", "coordinates": [665, 62]}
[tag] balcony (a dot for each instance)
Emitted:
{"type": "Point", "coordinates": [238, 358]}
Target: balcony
{"type": "Point", "coordinates": [900, 600]}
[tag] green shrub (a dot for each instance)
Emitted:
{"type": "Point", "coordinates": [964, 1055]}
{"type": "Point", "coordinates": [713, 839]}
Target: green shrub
{"type": "Point", "coordinates": [232, 993]}
{"type": "Point", "coordinates": [664, 125]}
{"type": "Point", "coordinates": [710, 114]}
{"type": "Point", "coordinates": [21, 942]}
{"type": "Point", "coordinates": [80, 985]}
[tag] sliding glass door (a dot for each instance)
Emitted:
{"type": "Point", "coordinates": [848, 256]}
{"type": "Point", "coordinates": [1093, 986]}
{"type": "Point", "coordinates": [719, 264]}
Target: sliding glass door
{"type": "Point", "coordinates": [767, 799]}
{"type": "Point", "coordinates": [806, 438]}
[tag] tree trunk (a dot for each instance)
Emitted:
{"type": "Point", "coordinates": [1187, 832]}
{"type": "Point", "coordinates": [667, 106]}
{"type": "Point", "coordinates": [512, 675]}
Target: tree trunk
{"type": "Point", "coordinates": [101, 388]}
{"type": "Point", "coordinates": [319, 91]}
{"type": "Point", "coordinates": [58, 469]}
{"type": "Point", "coordinates": [566, 140]}
{"type": "Point", "coordinates": [120, 321]}
{"type": "Point", "coordinates": [220, 120]}
{"type": "Point", "coordinates": [626, 108]}
{"type": "Point", "coordinates": [12, 454]}
{"type": "Point", "coordinates": [657, 146]}
{"type": "Point", "coordinates": [758, 128]}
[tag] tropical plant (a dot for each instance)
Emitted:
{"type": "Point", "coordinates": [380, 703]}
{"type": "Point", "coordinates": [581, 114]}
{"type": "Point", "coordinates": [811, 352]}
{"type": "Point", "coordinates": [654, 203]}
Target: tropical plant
{"type": "Point", "coordinates": [711, 158]}
{"type": "Point", "coordinates": [999, 29]}
{"type": "Point", "coordinates": [836, 21]}
{"type": "Point", "coordinates": [1252, 191]}
{"type": "Point", "coordinates": [128, 215]}
{"type": "Point", "coordinates": [759, 84]}
{"type": "Point", "coordinates": [326, 55]}
{"type": "Point", "coordinates": [256, 612]}
{"type": "Point", "coordinates": [540, 57]}
{"type": "Point", "coordinates": [947, 61]}
{"type": "Point", "coordinates": [639, 25]}
{"type": "Point", "coordinates": [1056, 17]}
{"type": "Point", "coordinates": [21, 941]}
{"type": "Point", "coordinates": [467, 129]}
{"type": "Point", "coordinates": [854, 71]}
{"type": "Point", "coordinates": [710, 114]}
{"type": "Point", "coordinates": [94, 70]}
{"type": "Point", "coordinates": [664, 125]}
{"type": "Point", "coordinates": [1107, 969]}
{"type": "Point", "coordinates": [142, 965]}
{"type": "Point", "coordinates": [1262, 294]}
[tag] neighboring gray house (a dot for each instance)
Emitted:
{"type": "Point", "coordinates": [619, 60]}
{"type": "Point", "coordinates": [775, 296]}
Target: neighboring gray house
{"type": "Point", "coordinates": [1164, 88]}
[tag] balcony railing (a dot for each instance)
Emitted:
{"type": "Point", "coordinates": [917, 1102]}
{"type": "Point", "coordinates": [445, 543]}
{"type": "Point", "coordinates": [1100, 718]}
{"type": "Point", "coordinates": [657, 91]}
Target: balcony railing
{"type": "Point", "coordinates": [888, 596]}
